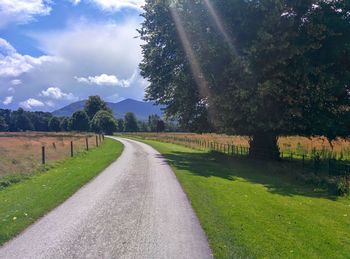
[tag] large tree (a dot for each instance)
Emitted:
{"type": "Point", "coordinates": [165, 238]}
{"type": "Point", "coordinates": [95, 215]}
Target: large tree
{"type": "Point", "coordinates": [95, 104]}
{"type": "Point", "coordinates": [259, 68]}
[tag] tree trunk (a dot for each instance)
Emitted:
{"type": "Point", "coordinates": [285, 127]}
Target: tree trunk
{"type": "Point", "coordinates": [263, 145]}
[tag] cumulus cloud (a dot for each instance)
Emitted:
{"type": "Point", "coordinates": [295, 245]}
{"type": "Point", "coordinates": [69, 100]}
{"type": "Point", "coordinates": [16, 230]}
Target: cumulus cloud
{"type": "Point", "coordinates": [113, 5]}
{"type": "Point", "coordinates": [31, 103]}
{"type": "Point", "coordinates": [13, 64]}
{"type": "Point", "coordinates": [22, 11]}
{"type": "Point", "coordinates": [8, 100]}
{"type": "Point", "coordinates": [103, 79]}
{"type": "Point", "coordinates": [112, 50]}
{"type": "Point", "coordinates": [57, 94]}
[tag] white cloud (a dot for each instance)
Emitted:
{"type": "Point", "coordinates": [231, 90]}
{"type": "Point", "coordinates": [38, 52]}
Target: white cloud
{"type": "Point", "coordinates": [22, 11]}
{"type": "Point", "coordinates": [113, 5]}
{"type": "Point", "coordinates": [13, 64]}
{"type": "Point", "coordinates": [16, 82]}
{"type": "Point", "coordinates": [8, 100]}
{"type": "Point", "coordinates": [103, 79]}
{"type": "Point", "coordinates": [57, 94]}
{"type": "Point", "coordinates": [31, 103]}
{"type": "Point", "coordinates": [112, 49]}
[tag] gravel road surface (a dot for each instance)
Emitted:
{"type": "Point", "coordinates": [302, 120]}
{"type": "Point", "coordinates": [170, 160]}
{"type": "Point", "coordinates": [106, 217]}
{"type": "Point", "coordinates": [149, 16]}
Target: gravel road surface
{"type": "Point", "coordinates": [134, 209]}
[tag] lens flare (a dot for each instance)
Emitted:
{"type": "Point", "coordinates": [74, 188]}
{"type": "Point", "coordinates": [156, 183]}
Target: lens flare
{"type": "Point", "coordinates": [220, 25]}
{"type": "Point", "coordinates": [194, 64]}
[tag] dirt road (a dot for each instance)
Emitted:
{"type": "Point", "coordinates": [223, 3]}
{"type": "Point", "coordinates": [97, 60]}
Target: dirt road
{"type": "Point", "coordinates": [134, 209]}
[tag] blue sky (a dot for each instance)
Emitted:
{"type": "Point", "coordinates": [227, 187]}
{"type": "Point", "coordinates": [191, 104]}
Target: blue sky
{"type": "Point", "coordinates": [54, 52]}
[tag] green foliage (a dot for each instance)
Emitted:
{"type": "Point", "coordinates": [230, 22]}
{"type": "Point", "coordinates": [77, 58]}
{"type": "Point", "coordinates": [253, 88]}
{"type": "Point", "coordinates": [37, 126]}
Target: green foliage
{"type": "Point", "coordinates": [152, 122]}
{"type": "Point", "coordinates": [143, 126]}
{"type": "Point", "coordinates": [65, 124]}
{"type": "Point", "coordinates": [20, 121]}
{"type": "Point", "coordinates": [95, 104]}
{"type": "Point", "coordinates": [3, 124]}
{"type": "Point", "coordinates": [40, 120]}
{"type": "Point", "coordinates": [80, 121]}
{"type": "Point", "coordinates": [130, 123]}
{"type": "Point", "coordinates": [54, 124]}
{"type": "Point", "coordinates": [160, 126]}
{"type": "Point", "coordinates": [104, 121]}
{"type": "Point", "coordinates": [120, 125]}
{"type": "Point", "coordinates": [269, 68]}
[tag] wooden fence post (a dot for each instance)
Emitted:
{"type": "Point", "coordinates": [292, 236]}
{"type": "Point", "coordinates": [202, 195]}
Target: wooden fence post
{"type": "Point", "coordinates": [43, 158]}
{"type": "Point", "coordinates": [96, 141]}
{"type": "Point", "coordinates": [71, 149]}
{"type": "Point", "coordinates": [87, 143]}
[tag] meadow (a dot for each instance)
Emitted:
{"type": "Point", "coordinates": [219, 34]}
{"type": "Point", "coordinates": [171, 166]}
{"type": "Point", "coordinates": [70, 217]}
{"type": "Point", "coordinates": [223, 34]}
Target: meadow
{"type": "Point", "coordinates": [296, 145]}
{"type": "Point", "coordinates": [21, 153]}
{"type": "Point", "coordinates": [258, 209]}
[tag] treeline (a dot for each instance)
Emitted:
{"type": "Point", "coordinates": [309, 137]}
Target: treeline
{"type": "Point", "coordinates": [95, 117]}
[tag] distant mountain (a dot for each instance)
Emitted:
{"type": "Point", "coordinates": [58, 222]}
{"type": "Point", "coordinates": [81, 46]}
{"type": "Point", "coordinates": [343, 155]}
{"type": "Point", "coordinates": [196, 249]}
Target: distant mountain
{"type": "Point", "coordinates": [141, 109]}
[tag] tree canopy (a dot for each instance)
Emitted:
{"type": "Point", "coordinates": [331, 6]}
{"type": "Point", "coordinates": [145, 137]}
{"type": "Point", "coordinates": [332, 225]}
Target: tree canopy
{"type": "Point", "coordinates": [104, 122]}
{"type": "Point", "coordinates": [130, 122]}
{"type": "Point", "coordinates": [257, 68]}
{"type": "Point", "coordinates": [54, 124]}
{"type": "Point", "coordinates": [80, 121]}
{"type": "Point", "coordinates": [95, 104]}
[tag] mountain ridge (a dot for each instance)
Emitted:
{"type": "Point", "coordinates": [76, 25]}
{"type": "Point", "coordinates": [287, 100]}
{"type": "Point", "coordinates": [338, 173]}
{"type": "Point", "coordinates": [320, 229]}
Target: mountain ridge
{"type": "Point", "coordinates": [141, 109]}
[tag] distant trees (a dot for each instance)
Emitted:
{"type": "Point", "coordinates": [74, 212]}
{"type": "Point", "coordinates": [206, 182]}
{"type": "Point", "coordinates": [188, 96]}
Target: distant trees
{"type": "Point", "coordinates": [130, 122]}
{"type": "Point", "coordinates": [267, 68]}
{"type": "Point", "coordinates": [20, 121]}
{"type": "Point", "coordinates": [120, 125]}
{"type": "Point", "coordinates": [54, 124]}
{"type": "Point", "coordinates": [65, 124]}
{"type": "Point", "coordinates": [104, 122]}
{"type": "Point", "coordinates": [3, 124]}
{"type": "Point", "coordinates": [40, 120]}
{"type": "Point", "coordinates": [80, 121]}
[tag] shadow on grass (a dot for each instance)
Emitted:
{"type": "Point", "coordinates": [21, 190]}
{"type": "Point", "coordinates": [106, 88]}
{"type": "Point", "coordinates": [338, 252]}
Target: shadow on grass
{"type": "Point", "coordinates": [278, 178]}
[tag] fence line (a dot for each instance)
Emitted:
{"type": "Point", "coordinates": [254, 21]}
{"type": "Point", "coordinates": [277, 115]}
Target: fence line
{"type": "Point", "coordinates": [99, 139]}
{"type": "Point", "coordinates": [314, 162]}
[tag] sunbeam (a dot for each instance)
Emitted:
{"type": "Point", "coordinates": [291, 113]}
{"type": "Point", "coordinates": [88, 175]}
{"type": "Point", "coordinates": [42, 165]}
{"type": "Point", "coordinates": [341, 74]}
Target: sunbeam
{"type": "Point", "coordinates": [194, 64]}
{"type": "Point", "coordinates": [220, 25]}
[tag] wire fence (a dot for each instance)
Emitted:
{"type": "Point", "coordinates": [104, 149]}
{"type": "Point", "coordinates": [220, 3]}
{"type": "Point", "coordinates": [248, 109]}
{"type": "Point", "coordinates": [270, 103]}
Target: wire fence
{"type": "Point", "coordinates": [315, 162]}
{"type": "Point", "coordinates": [24, 153]}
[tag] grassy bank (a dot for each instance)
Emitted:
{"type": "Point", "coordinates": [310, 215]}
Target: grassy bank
{"type": "Point", "coordinates": [23, 203]}
{"type": "Point", "coordinates": [255, 209]}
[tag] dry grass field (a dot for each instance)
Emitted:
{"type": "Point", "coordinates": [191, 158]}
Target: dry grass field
{"type": "Point", "coordinates": [20, 153]}
{"type": "Point", "coordinates": [339, 148]}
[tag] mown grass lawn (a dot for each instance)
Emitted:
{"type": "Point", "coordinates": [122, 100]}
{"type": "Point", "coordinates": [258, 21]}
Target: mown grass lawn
{"type": "Point", "coordinates": [23, 203]}
{"type": "Point", "coordinates": [252, 209]}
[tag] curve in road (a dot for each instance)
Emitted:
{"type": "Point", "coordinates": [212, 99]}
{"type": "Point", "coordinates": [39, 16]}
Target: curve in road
{"type": "Point", "coordinates": [134, 209]}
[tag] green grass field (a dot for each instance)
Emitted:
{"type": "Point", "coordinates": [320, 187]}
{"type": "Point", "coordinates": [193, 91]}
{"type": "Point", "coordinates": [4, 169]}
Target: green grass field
{"type": "Point", "coordinates": [253, 209]}
{"type": "Point", "coordinates": [23, 203]}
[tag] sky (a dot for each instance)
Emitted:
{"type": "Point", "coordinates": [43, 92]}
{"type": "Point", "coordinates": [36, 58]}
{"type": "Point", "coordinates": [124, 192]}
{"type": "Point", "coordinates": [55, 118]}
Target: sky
{"type": "Point", "coordinates": [55, 52]}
